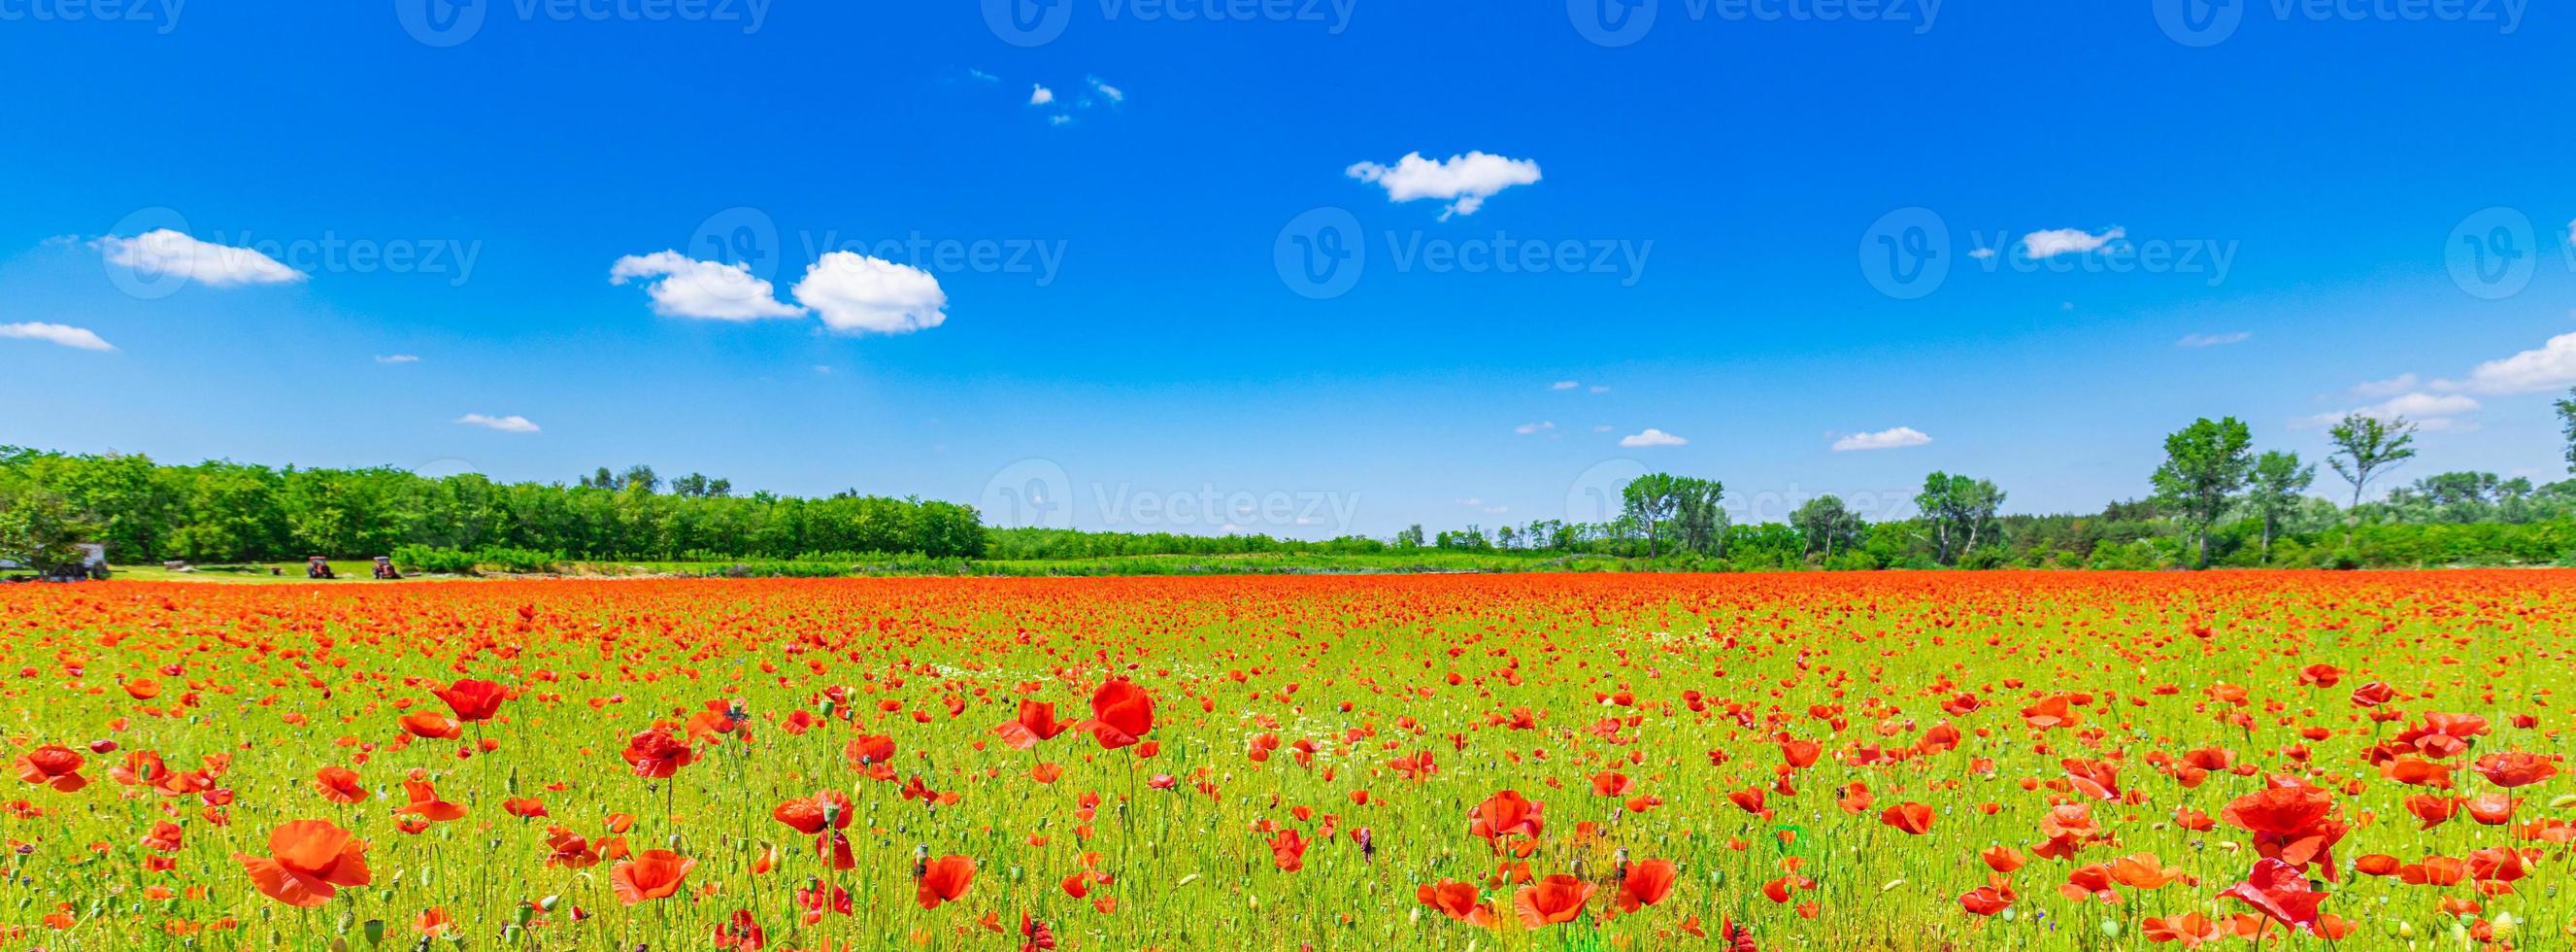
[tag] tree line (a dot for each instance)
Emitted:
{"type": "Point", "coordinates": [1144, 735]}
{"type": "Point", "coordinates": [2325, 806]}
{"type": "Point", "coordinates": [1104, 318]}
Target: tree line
{"type": "Point", "coordinates": [2216, 501]}
{"type": "Point", "coordinates": [222, 511]}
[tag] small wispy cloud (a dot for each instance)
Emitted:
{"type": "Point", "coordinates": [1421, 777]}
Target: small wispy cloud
{"type": "Point", "coordinates": [681, 286]}
{"type": "Point", "coordinates": [1464, 181]}
{"type": "Point", "coordinates": [2428, 411]}
{"type": "Point", "coordinates": [397, 359]}
{"type": "Point", "coordinates": [506, 424]}
{"type": "Point", "coordinates": [2063, 241]}
{"type": "Point", "coordinates": [2214, 340]}
{"type": "Point", "coordinates": [1651, 437]}
{"type": "Point", "coordinates": [1526, 429]}
{"type": "Point", "coordinates": [77, 338]}
{"type": "Point", "coordinates": [167, 252]}
{"type": "Point", "coordinates": [1888, 439]}
{"type": "Point", "coordinates": [1039, 95]}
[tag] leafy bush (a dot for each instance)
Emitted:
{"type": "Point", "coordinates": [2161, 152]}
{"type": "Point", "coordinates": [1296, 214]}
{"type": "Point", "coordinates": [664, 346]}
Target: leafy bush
{"type": "Point", "coordinates": [439, 561]}
{"type": "Point", "coordinates": [433, 560]}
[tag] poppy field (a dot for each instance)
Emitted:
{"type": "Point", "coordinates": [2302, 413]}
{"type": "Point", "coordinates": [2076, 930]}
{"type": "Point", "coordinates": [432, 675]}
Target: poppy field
{"type": "Point", "coordinates": [1886, 761]}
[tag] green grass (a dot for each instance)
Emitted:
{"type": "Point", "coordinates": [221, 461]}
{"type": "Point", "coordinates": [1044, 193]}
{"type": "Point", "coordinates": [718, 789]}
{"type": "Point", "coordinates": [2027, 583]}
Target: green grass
{"type": "Point", "coordinates": [255, 573]}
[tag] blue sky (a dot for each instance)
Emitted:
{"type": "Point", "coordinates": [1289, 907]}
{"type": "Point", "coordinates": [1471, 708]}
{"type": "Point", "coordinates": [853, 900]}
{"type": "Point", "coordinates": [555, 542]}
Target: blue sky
{"type": "Point", "coordinates": [1124, 315]}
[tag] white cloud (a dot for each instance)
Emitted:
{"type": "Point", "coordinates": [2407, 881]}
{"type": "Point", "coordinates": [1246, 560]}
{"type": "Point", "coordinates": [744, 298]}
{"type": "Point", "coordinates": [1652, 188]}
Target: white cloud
{"type": "Point", "coordinates": [1059, 119]}
{"type": "Point", "coordinates": [2214, 340]}
{"type": "Point", "coordinates": [2390, 387]}
{"type": "Point", "coordinates": [1889, 439]}
{"type": "Point", "coordinates": [397, 359]}
{"type": "Point", "coordinates": [1652, 437]}
{"type": "Point", "coordinates": [1603, 428]}
{"type": "Point", "coordinates": [1039, 95]}
{"type": "Point", "coordinates": [1982, 254]}
{"type": "Point", "coordinates": [2429, 411]}
{"type": "Point", "coordinates": [2548, 367]}
{"type": "Point", "coordinates": [2050, 244]}
{"type": "Point", "coordinates": [76, 338]}
{"type": "Point", "coordinates": [857, 294]}
{"type": "Point", "coordinates": [167, 252]}
{"type": "Point", "coordinates": [1564, 385]}
{"type": "Point", "coordinates": [982, 76]}
{"type": "Point", "coordinates": [1600, 388]}
{"type": "Point", "coordinates": [1469, 501]}
{"type": "Point", "coordinates": [1526, 429]}
{"type": "Point", "coordinates": [506, 424]}
{"type": "Point", "coordinates": [1464, 181]}
{"type": "Point", "coordinates": [1114, 94]}
{"type": "Point", "coordinates": [703, 290]}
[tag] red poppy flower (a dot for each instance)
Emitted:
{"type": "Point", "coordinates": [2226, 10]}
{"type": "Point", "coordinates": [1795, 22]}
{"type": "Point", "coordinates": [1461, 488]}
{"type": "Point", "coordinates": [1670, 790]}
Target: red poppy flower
{"type": "Point", "coordinates": [1121, 714]}
{"type": "Point", "coordinates": [2515, 769]}
{"type": "Point", "coordinates": [166, 837]}
{"type": "Point", "coordinates": [1456, 900]}
{"type": "Point", "coordinates": [1505, 814]}
{"type": "Point", "coordinates": [869, 749]}
{"type": "Point", "coordinates": [652, 874]}
{"type": "Point", "coordinates": [473, 700]}
{"type": "Point", "coordinates": [432, 725]}
{"type": "Point", "coordinates": [2278, 890]}
{"type": "Point", "coordinates": [1987, 900]}
{"type": "Point", "coordinates": [1915, 818]}
{"type": "Point", "coordinates": [309, 861]}
{"type": "Point", "coordinates": [1036, 722]}
{"type": "Point", "coordinates": [1039, 937]}
{"type": "Point", "coordinates": [1801, 753]}
{"type": "Point", "coordinates": [53, 765]}
{"type": "Point", "coordinates": [1288, 851]}
{"type": "Point", "coordinates": [339, 785]}
{"type": "Point", "coordinates": [1552, 900]}
{"type": "Point", "coordinates": [1646, 884]}
{"type": "Point", "coordinates": [426, 804]}
{"type": "Point", "coordinates": [655, 753]}
{"type": "Point", "coordinates": [943, 880]}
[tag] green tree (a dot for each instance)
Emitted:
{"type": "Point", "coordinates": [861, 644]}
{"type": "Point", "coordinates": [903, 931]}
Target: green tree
{"type": "Point", "coordinates": [38, 528]}
{"type": "Point", "coordinates": [2365, 447]}
{"type": "Point", "coordinates": [2279, 480]}
{"type": "Point", "coordinates": [1410, 538]}
{"type": "Point", "coordinates": [1699, 525]}
{"type": "Point", "coordinates": [1957, 512]}
{"type": "Point", "coordinates": [2205, 464]}
{"type": "Point", "coordinates": [1825, 523]}
{"type": "Point", "coordinates": [1651, 500]}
